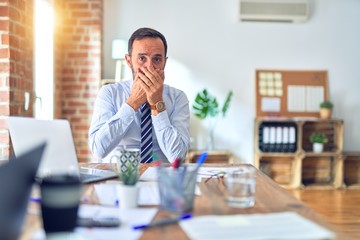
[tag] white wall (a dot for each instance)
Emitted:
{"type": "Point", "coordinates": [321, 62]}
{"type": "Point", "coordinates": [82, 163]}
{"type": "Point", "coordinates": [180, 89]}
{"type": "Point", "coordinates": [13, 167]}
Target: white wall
{"type": "Point", "coordinates": [209, 47]}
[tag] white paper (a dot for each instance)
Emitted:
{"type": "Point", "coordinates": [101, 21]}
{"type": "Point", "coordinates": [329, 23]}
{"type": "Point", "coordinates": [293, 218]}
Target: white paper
{"type": "Point", "coordinates": [314, 96]}
{"type": "Point", "coordinates": [270, 104]}
{"type": "Point", "coordinates": [150, 174]}
{"type": "Point", "coordinates": [296, 98]}
{"type": "Point", "coordinates": [149, 193]}
{"type": "Point", "coordinates": [285, 225]}
{"type": "Point", "coordinates": [108, 193]}
{"type": "Point", "coordinates": [128, 217]}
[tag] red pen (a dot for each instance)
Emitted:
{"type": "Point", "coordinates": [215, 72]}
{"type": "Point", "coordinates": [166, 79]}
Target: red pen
{"type": "Point", "coordinates": [176, 163]}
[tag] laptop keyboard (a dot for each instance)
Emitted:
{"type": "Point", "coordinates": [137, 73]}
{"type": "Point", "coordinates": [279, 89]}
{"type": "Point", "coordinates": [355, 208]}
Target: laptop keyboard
{"type": "Point", "coordinates": [86, 177]}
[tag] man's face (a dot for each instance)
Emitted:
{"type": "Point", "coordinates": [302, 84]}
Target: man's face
{"type": "Point", "coordinates": [145, 53]}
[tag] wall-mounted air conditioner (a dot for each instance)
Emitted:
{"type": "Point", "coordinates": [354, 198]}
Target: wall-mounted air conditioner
{"type": "Point", "coordinates": [274, 10]}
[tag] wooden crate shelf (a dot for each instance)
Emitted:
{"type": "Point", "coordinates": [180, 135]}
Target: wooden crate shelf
{"type": "Point", "coordinates": [318, 170]}
{"type": "Point", "coordinates": [303, 167]}
{"type": "Point", "coordinates": [218, 156]}
{"type": "Point", "coordinates": [352, 169]}
{"type": "Point", "coordinates": [333, 130]}
{"type": "Point", "coordinates": [280, 169]}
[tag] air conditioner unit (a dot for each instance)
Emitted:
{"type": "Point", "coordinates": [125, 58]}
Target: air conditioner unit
{"type": "Point", "coordinates": [274, 10]}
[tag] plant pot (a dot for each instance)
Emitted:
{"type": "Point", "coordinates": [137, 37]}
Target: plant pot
{"type": "Point", "coordinates": [318, 147]}
{"type": "Point", "coordinates": [325, 113]}
{"type": "Point", "coordinates": [127, 196]}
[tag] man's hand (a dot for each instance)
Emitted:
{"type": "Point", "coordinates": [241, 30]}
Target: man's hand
{"type": "Point", "coordinates": [152, 83]}
{"type": "Point", "coordinates": [137, 95]}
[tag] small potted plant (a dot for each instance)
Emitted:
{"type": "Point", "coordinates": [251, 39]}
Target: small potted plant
{"type": "Point", "coordinates": [318, 139]}
{"type": "Point", "coordinates": [206, 106]}
{"type": "Point", "coordinates": [326, 109]}
{"type": "Point", "coordinates": [128, 190]}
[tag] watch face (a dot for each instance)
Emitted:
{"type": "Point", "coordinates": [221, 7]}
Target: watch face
{"type": "Point", "coordinates": [160, 106]}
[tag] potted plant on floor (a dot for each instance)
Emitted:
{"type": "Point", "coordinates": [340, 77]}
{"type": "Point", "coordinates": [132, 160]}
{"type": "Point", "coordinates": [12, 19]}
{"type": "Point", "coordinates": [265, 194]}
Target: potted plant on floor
{"type": "Point", "coordinates": [318, 139]}
{"type": "Point", "coordinates": [206, 106]}
{"type": "Point", "coordinates": [326, 109]}
{"type": "Point", "coordinates": [128, 190]}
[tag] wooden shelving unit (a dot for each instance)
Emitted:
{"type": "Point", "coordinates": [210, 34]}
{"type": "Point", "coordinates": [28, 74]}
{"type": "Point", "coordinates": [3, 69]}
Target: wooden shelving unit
{"type": "Point", "coordinates": [217, 156]}
{"type": "Point", "coordinates": [299, 166]}
{"type": "Point", "coordinates": [352, 169]}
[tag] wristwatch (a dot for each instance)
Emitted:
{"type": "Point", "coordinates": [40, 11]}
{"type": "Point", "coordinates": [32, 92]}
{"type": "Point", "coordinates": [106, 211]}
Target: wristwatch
{"type": "Point", "coordinates": [159, 106]}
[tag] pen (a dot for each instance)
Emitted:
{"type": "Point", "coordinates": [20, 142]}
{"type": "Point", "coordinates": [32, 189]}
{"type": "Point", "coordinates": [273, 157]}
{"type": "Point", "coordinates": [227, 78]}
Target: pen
{"type": "Point", "coordinates": [176, 163]}
{"type": "Point", "coordinates": [163, 222]}
{"type": "Point", "coordinates": [201, 160]}
{"type": "Point", "coordinates": [37, 200]}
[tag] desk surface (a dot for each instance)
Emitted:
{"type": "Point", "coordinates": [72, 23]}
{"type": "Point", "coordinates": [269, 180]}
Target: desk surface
{"type": "Point", "coordinates": [269, 198]}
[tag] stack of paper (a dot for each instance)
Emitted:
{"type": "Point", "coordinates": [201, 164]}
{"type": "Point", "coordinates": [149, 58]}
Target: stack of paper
{"type": "Point", "coordinates": [285, 225]}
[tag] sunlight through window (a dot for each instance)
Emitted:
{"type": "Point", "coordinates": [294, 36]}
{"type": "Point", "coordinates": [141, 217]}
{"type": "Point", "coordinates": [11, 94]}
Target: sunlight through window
{"type": "Point", "coordinates": [44, 59]}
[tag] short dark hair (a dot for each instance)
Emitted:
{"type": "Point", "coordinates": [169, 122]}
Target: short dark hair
{"type": "Point", "coordinates": [142, 33]}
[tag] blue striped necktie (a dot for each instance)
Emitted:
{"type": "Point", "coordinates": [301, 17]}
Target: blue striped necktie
{"type": "Point", "coordinates": [146, 134]}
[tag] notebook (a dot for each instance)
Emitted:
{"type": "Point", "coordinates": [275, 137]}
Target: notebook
{"type": "Point", "coordinates": [60, 155]}
{"type": "Point", "coordinates": [16, 179]}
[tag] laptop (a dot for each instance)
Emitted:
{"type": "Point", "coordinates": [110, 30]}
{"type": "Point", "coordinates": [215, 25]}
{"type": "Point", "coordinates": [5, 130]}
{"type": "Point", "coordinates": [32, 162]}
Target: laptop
{"type": "Point", "coordinates": [16, 179]}
{"type": "Point", "coordinates": [60, 155]}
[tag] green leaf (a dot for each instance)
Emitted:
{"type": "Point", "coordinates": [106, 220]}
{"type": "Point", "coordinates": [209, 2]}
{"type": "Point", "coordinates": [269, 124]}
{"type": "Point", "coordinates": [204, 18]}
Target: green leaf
{"type": "Point", "coordinates": [130, 175]}
{"type": "Point", "coordinates": [206, 105]}
{"type": "Point", "coordinates": [227, 103]}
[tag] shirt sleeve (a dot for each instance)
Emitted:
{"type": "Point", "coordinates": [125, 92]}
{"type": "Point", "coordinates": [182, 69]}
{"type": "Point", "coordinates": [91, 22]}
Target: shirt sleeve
{"type": "Point", "coordinates": [172, 129]}
{"type": "Point", "coordinates": [109, 124]}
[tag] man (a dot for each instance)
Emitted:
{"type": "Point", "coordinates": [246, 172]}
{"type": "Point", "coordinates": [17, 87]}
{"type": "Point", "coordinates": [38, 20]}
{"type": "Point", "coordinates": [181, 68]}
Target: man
{"type": "Point", "coordinates": [118, 107]}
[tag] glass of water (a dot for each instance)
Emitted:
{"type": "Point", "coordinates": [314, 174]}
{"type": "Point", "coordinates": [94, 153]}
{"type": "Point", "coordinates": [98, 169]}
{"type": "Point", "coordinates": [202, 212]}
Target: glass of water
{"type": "Point", "coordinates": [241, 183]}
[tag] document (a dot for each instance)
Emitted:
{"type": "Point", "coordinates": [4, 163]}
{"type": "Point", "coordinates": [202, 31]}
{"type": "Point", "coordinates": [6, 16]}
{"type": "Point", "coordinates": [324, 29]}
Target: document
{"type": "Point", "coordinates": [108, 193]}
{"type": "Point", "coordinates": [281, 226]}
{"type": "Point", "coordinates": [128, 218]}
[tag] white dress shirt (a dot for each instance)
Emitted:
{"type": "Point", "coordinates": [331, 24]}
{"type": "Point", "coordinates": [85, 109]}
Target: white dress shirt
{"type": "Point", "coordinates": [115, 123]}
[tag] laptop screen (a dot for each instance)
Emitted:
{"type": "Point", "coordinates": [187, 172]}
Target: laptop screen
{"type": "Point", "coordinates": [59, 156]}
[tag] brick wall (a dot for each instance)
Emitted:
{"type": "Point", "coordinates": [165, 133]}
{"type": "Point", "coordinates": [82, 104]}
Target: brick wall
{"type": "Point", "coordinates": [16, 63]}
{"type": "Point", "coordinates": [77, 66]}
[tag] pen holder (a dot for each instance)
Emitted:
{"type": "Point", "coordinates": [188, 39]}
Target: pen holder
{"type": "Point", "coordinates": [177, 188]}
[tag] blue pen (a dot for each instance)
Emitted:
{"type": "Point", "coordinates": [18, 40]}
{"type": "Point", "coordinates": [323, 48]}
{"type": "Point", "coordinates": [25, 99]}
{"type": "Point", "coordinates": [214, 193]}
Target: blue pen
{"type": "Point", "coordinates": [201, 158]}
{"type": "Point", "coordinates": [163, 222]}
{"type": "Point", "coordinates": [37, 200]}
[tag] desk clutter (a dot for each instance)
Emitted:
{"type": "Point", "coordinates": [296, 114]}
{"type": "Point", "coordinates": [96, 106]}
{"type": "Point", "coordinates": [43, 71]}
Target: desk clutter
{"type": "Point", "coordinates": [133, 222]}
{"type": "Point", "coordinates": [106, 220]}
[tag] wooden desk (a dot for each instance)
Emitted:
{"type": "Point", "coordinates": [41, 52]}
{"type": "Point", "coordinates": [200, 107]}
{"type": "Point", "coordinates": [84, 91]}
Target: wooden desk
{"type": "Point", "coordinates": [269, 198]}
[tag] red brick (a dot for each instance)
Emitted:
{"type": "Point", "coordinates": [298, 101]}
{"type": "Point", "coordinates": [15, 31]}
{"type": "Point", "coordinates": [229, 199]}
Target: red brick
{"type": "Point", "coordinates": [72, 95]}
{"type": "Point", "coordinates": [96, 6]}
{"type": "Point", "coordinates": [4, 25]}
{"type": "Point", "coordinates": [20, 30]}
{"type": "Point", "coordinates": [68, 71]}
{"type": "Point", "coordinates": [81, 14]}
{"type": "Point", "coordinates": [14, 14]}
{"type": "Point", "coordinates": [90, 22]}
{"type": "Point", "coordinates": [83, 127]}
{"type": "Point", "coordinates": [4, 11]}
{"type": "Point", "coordinates": [76, 104]}
{"type": "Point", "coordinates": [4, 39]}
{"type": "Point", "coordinates": [78, 55]}
{"type": "Point", "coordinates": [78, 5]}
{"type": "Point", "coordinates": [4, 52]}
